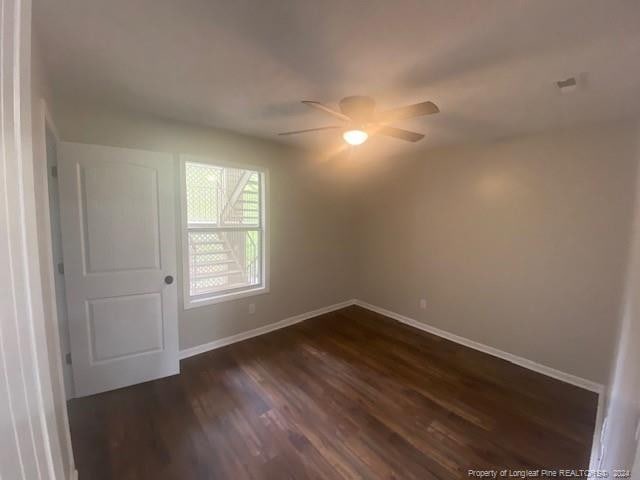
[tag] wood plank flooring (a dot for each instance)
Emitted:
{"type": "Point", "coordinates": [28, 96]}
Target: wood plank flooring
{"type": "Point", "coordinates": [351, 395]}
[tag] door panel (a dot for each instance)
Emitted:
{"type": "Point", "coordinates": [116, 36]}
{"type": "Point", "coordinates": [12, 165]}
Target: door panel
{"type": "Point", "coordinates": [109, 192]}
{"type": "Point", "coordinates": [118, 235]}
{"type": "Point", "coordinates": [139, 315]}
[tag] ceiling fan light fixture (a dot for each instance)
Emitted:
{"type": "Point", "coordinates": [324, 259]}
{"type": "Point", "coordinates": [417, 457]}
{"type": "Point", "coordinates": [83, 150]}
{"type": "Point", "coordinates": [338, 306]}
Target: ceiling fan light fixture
{"type": "Point", "coordinates": [355, 137]}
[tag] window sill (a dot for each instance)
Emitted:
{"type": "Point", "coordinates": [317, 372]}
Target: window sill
{"type": "Point", "coordinates": [227, 297]}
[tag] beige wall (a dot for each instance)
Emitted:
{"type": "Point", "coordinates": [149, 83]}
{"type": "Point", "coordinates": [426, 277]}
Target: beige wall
{"type": "Point", "coordinates": [311, 242]}
{"type": "Point", "coordinates": [623, 396]}
{"type": "Point", "coordinates": [520, 245]}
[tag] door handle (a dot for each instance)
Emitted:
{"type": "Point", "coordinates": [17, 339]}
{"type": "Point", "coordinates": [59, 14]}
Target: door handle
{"type": "Point", "coordinates": [168, 279]}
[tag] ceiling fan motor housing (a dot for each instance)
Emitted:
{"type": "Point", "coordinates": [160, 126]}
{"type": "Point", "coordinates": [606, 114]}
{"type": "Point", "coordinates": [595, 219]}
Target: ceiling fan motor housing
{"type": "Point", "coordinates": [359, 108]}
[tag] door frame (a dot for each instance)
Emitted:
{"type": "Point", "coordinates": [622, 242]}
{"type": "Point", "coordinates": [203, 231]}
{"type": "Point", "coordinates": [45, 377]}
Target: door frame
{"type": "Point", "coordinates": [31, 448]}
{"type": "Point", "coordinates": [41, 170]}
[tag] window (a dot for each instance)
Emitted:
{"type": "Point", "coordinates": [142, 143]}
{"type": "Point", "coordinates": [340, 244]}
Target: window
{"type": "Point", "coordinates": [224, 232]}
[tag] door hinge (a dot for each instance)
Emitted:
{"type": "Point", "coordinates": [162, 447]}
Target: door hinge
{"type": "Point", "coordinates": [54, 171]}
{"type": "Point", "coordinates": [67, 358]}
{"type": "Point", "coordinates": [61, 268]}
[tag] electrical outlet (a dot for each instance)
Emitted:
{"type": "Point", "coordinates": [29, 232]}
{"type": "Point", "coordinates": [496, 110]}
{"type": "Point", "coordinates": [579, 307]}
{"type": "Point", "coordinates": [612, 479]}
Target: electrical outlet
{"type": "Point", "coordinates": [423, 303]}
{"type": "Point", "coordinates": [252, 308]}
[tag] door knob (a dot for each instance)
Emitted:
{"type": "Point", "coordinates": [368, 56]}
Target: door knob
{"type": "Point", "coordinates": [168, 279]}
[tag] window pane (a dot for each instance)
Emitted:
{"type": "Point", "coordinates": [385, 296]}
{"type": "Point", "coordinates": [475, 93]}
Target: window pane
{"type": "Point", "coordinates": [226, 260]}
{"type": "Point", "coordinates": [246, 209]}
{"type": "Point", "coordinates": [203, 193]}
{"type": "Point", "coordinates": [222, 196]}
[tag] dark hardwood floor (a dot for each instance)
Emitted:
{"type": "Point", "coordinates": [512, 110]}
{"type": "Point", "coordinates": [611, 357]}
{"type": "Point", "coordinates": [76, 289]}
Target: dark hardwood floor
{"type": "Point", "coordinates": [350, 394]}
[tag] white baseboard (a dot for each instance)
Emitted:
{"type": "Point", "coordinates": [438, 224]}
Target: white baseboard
{"type": "Point", "coordinates": [222, 342]}
{"type": "Point", "coordinates": [523, 362]}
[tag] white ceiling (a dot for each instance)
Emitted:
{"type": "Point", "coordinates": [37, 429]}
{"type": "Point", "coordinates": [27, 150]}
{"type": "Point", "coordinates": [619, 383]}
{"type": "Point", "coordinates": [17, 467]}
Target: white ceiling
{"type": "Point", "coordinates": [244, 65]}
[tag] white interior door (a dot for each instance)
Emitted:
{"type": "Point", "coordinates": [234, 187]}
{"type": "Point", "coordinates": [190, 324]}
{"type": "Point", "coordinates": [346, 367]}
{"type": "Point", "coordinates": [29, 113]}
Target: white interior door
{"type": "Point", "coordinates": [119, 245]}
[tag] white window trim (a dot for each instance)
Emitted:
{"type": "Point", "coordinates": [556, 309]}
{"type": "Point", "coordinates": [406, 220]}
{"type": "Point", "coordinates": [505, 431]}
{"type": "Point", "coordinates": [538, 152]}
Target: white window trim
{"type": "Point", "coordinates": [243, 292]}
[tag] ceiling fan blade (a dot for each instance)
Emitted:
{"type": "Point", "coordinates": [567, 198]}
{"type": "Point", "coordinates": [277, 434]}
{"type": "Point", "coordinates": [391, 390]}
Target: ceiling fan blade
{"type": "Point", "coordinates": [410, 111]}
{"type": "Point", "coordinates": [399, 133]}
{"type": "Point", "coordinates": [329, 110]}
{"type": "Point", "coordinates": [294, 132]}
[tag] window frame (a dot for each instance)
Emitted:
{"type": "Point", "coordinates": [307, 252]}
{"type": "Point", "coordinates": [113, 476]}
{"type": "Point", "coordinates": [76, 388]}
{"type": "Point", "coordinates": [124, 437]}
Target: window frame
{"type": "Point", "coordinates": [240, 292]}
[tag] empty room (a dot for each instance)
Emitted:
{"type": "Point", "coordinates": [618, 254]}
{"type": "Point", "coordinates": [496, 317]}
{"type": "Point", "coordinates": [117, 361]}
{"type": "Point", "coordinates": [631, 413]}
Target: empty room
{"type": "Point", "coordinates": [297, 239]}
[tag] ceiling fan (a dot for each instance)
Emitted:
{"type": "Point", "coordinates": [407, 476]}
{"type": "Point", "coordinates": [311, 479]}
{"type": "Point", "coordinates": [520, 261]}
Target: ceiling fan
{"type": "Point", "coordinates": [363, 120]}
